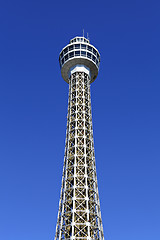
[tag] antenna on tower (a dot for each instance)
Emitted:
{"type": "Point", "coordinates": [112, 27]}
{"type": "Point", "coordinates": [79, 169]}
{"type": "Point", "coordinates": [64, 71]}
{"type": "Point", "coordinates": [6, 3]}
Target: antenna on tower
{"type": "Point", "coordinates": [83, 32]}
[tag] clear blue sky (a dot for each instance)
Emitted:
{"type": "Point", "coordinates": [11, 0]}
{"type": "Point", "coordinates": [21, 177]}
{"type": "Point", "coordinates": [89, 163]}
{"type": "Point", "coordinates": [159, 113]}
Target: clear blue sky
{"type": "Point", "coordinates": [125, 105]}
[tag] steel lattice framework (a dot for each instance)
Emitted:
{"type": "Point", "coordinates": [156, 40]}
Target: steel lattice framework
{"type": "Point", "coordinates": [79, 215]}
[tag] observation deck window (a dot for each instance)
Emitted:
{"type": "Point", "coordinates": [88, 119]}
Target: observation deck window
{"type": "Point", "coordinates": [83, 53]}
{"type": "Point", "coordinates": [77, 53]}
{"type": "Point", "coordinates": [65, 50]}
{"type": "Point", "coordinates": [77, 46]}
{"type": "Point", "coordinates": [88, 55]}
{"type": "Point", "coordinates": [80, 39]}
{"type": "Point", "coordinates": [66, 57]}
{"type": "Point", "coordinates": [94, 58]}
{"type": "Point", "coordinates": [62, 60]}
{"type": "Point", "coordinates": [94, 51]}
{"type": "Point", "coordinates": [83, 46]}
{"type": "Point", "coordinates": [71, 54]}
{"type": "Point", "coordinates": [89, 48]}
{"type": "Point", "coordinates": [70, 47]}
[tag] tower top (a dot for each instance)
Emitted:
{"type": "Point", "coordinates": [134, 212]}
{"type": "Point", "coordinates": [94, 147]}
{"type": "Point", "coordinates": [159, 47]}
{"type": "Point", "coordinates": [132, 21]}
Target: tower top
{"type": "Point", "coordinates": [79, 39]}
{"type": "Point", "coordinates": [79, 52]}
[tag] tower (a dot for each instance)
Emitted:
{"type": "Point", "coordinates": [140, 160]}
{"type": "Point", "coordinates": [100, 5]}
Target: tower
{"type": "Point", "coordinates": [79, 215]}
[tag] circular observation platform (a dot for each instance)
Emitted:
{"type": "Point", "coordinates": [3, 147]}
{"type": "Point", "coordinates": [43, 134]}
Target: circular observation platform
{"type": "Point", "coordinates": [79, 52]}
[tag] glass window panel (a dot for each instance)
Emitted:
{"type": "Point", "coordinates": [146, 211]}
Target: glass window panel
{"type": "Point", "coordinates": [66, 57]}
{"type": "Point", "coordinates": [77, 53]}
{"type": "Point", "coordinates": [77, 46]}
{"type": "Point", "coordinates": [83, 53]}
{"type": "Point", "coordinates": [70, 47]}
{"type": "Point", "coordinates": [90, 48]}
{"type": "Point", "coordinates": [94, 51]}
{"type": "Point", "coordinates": [65, 50]}
{"type": "Point", "coordinates": [83, 46]}
{"type": "Point", "coordinates": [94, 58]}
{"type": "Point", "coordinates": [71, 54]}
{"type": "Point", "coordinates": [88, 55]}
{"type": "Point", "coordinates": [62, 60]}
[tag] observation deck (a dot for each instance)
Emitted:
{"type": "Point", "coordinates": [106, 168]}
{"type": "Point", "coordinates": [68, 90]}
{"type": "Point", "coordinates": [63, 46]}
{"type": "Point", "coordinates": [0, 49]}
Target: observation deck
{"type": "Point", "coordinates": [79, 52]}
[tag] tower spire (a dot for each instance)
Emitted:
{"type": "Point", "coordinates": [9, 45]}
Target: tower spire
{"type": "Point", "coordinates": [79, 215]}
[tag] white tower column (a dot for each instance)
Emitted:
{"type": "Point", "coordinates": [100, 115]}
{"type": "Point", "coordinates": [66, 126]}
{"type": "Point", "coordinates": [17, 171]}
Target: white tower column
{"type": "Point", "coordinates": [79, 215]}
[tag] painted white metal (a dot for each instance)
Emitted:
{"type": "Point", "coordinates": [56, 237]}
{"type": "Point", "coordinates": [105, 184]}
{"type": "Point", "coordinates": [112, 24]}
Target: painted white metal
{"type": "Point", "coordinates": [79, 215]}
{"type": "Point", "coordinates": [79, 68]}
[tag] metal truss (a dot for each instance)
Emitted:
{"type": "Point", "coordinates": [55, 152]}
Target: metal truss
{"type": "Point", "coordinates": [79, 215]}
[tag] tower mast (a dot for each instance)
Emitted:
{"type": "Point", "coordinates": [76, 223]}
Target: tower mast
{"type": "Point", "coordinates": [79, 215]}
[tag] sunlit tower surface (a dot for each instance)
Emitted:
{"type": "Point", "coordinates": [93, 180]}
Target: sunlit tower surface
{"type": "Point", "coordinates": [79, 215]}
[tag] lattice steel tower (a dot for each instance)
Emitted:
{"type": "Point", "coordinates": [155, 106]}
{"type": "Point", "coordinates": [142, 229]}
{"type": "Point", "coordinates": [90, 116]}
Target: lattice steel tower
{"type": "Point", "coordinates": [79, 215]}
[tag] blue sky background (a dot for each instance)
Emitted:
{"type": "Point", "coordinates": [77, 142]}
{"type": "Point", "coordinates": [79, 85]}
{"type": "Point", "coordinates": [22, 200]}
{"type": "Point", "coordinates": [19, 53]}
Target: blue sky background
{"type": "Point", "coordinates": [125, 106]}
